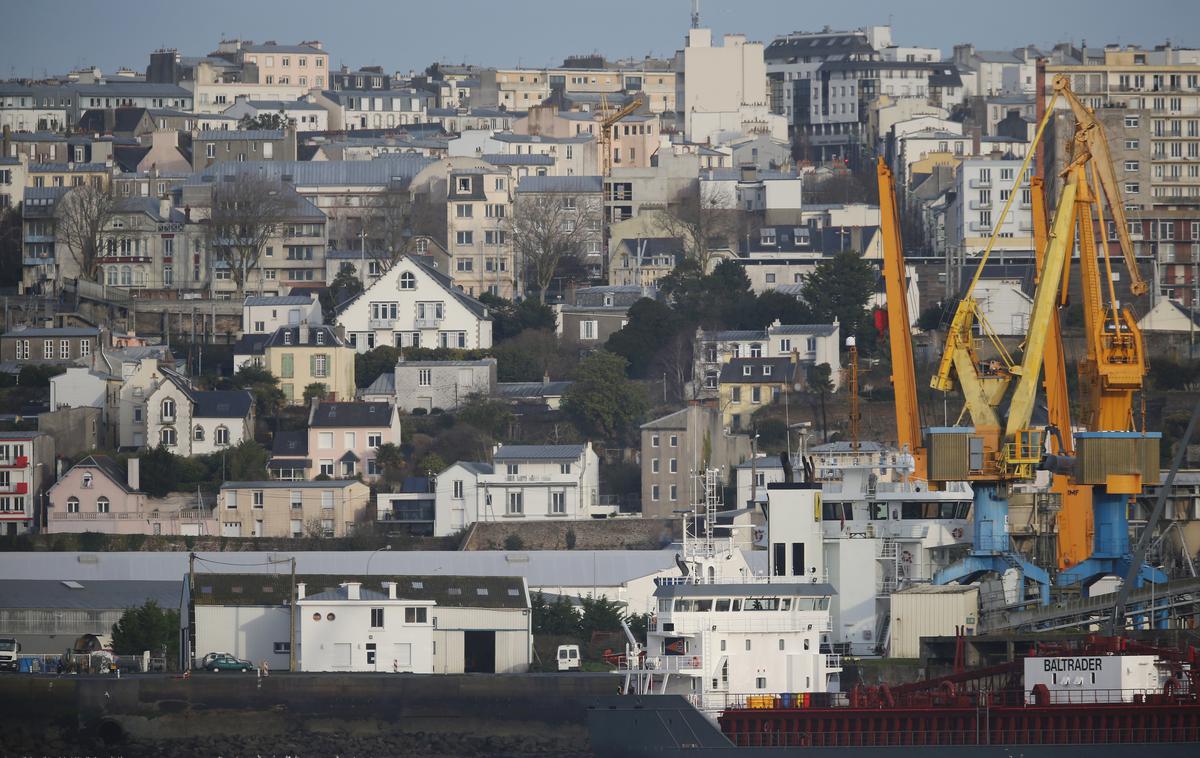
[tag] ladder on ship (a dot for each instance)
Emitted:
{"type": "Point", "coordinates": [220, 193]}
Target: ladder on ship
{"type": "Point", "coordinates": [888, 559]}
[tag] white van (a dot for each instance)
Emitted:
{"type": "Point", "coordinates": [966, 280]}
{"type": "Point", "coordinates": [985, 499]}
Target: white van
{"type": "Point", "coordinates": [568, 658]}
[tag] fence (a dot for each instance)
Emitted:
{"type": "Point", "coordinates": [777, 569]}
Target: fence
{"type": "Point", "coordinates": [89, 663]}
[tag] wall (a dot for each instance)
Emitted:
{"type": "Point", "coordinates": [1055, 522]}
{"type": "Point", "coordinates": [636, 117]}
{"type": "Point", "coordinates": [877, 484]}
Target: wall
{"type": "Point", "coordinates": [599, 534]}
{"type": "Point", "coordinates": [247, 632]}
{"type": "Point", "coordinates": [929, 614]}
{"type": "Point", "coordinates": [76, 430]}
{"type": "Point", "coordinates": [351, 627]}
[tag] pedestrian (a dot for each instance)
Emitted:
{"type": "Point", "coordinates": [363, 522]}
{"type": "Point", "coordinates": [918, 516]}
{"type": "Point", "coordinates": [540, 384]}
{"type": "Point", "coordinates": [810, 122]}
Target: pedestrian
{"type": "Point", "coordinates": [266, 670]}
{"type": "Point", "coordinates": [395, 666]}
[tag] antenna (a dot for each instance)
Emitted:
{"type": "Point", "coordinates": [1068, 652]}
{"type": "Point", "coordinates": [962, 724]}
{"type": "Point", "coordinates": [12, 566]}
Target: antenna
{"type": "Point", "coordinates": [695, 14]}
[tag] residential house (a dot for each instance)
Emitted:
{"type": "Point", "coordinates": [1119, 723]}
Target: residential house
{"type": "Point", "coordinates": [522, 483]}
{"type": "Point", "coordinates": [49, 346]}
{"type": "Point", "coordinates": [411, 510]}
{"type": "Point", "coordinates": [305, 355]}
{"type": "Point", "coordinates": [95, 495]}
{"type": "Point", "coordinates": [479, 232]}
{"type": "Point", "coordinates": [265, 314]}
{"type": "Point", "coordinates": [435, 384]}
{"type": "Point", "coordinates": [302, 115]}
{"type": "Point", "coordinates": [190, 422]}
{"type": "Point", "coordinates": [596, 313]}
{"type": "Point", "coordinates": [642, 262]}
{"type": "Point", "coordinates": [746, 385]}
{"type": "Point", "coordinates": [289, 456]}
{"type": "Point", "coordinates": [348, 628]}
{"type": "Point", "coordinates": [545, 395]}
{"type": "Point", "coordinates": [983, 191]}
{"type": "Point", "coordinates": [82, 387]}
{"type": "Point", "coordinates": [470, 624]}
{"type": "Point", "coordinates": [292, 509]}
{"type": "Point", "coordinates": [242, 145]}
{"type": "Point", "coordinates": [805, 344]}
{"type": "Point", "coordinates": [415, 305]}
{"type": "Point", "coordinates": [677, 450]}
{"type": "Point", "coordinates": [26, 470]}
{"type": "Point", "coordinates": [343, 437]}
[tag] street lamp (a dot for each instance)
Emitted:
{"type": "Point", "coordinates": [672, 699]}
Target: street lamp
{"type": "Point", "coordinates": [372, 555]}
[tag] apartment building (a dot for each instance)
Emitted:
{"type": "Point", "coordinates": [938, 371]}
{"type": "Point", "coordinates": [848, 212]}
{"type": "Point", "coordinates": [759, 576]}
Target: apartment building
{"type": "Point", "coordinates": [292, 509]}
{"type": "Point", "coordinates": [984, 186]}
{"type": "Point", "coordinates": [415, 305]}
{"type": "Point", "coordinates": [793, 60]}
{"type": "Point", "coordinates": [435, 384]}
{"type": "Point", "coordinates": [26, 470]}
{"type": "Point", "coordinates": [302, 115]}
{"type": "Point", "coordinates": [479, 232]}
{"type": "Point", "coordinates": [265, 314]}
{"type": "Point", "coordinates": [343, 437]}
{"type": "Point", "coordinates": [351, 110]}
{"type": "Point", "coordinates": [53, 346]}
{"type": "Point", "coordinates": [805, 344]}
{"type": "Point", "coordinates": [677, 449]}
{"type": "Point", "coordinates": [32, 107]}
{"type": "Point", "coordinates": [305, 355]}
{"type": "Point", "coordinates": [242, 145]}
{"type": "Point", "coordinates": [721, 90]}
{"type": "Point", "coordinates": [523, 482]}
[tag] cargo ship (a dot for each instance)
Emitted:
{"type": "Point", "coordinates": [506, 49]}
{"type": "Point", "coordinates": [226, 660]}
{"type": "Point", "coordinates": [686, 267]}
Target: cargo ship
{"type": "Point", "coordinates": [1105, 694]}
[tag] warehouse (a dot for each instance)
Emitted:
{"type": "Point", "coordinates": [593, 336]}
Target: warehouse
{"type": "Point", "coordinates": [479, 624]}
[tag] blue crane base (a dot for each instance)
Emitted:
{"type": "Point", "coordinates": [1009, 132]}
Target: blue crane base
{"type": "Point", "coordinates": [1112, 554]}
{"type": "Point", "coordinates": [990, 551]}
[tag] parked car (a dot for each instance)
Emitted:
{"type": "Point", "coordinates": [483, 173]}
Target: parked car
{"type": "Point", "coordinates": [568, 658]}
{"type": "Point", "coordinates": [225, 662]}
{"type": "Point", "coordinates": [206, 660]}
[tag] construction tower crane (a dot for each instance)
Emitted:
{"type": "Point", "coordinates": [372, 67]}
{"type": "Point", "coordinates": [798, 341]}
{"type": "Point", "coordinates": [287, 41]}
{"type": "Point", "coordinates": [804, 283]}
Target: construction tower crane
{"type": "Point", "coordinates": [904, 377]}
{"type": "Point", "coordinates": [607, 124]}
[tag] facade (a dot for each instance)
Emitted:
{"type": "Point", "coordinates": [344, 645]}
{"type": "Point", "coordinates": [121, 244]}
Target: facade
{"type": "Point", "coordinates": [640, 262]}
{"type": "Point", "coordinates": [805, 344]}
{"type": "Point", "coordinates": [209, 147]}
{"type": "Point", "coordinates": [415, 305]}
{"type": "Point", "coordinates": [520, 89]}
{"type": "Point", "coordinates": [472, 624]}
{"type": "Point", "coordinates": [343, 437]}
{"type": "Point", "coordinates": [195, 422]}
{"type": "Point", "coordinates": [746, 385]}
{"type": "Point", "coordinates": [479, 232]}
{"type": "Point", "coordinates": [353, 110]}
{"type": "Point", "coordinates": [291, 509]}
{"type": "Point", "coordinates": [305, 355]}
{"type": "Point", "coordinates": [579, 200]}
{"type": "Point", "coordinates": [523, 482]}
{"type": "Point", "coordinates": [265, 314]}
{"type": "Point", "coordinates": [722, 90]}
{"type": "Point", "coordinates": [302, 115]}
{"type": "Point", "coordinates": [983, 189]}
{"type": "Point", "coordinates": [676, 451]}
{"type": "Point", "coordinates": [82, 387]}
{"type": "Point", "coordinates": [597, 313]}
{"type": "Point", "coordinates": [438, 384]}
{"type": "Point", "coordinates": [26, 470]}
{"type": "Point", "coordinates": [49, 346]}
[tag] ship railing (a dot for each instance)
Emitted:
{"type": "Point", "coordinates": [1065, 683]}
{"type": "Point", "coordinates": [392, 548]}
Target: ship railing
{"type": "Point", "coordinates": [833, 662]}
{"type": "Point", "coordinates": [765, 736]}
{"type": "Point", "coordinates": [674, 663]}
{"type": "Point", "coordinates": [671, 581]}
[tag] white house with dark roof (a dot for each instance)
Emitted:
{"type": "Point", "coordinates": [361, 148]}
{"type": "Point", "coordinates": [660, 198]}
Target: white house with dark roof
{"type": "Point", "coordinates": [350, 628]}
{"type": "Point", "coordinates": [189, 422]}
{"type": "Point", "coordinates": [435, 384]}
{"type": "Point", "coordinates": [414, 305]}
{"type": "Point", "coordinates": [343, 438]}
{"type": "Point", "coordinates": [304, 114]}
{"type": "Point", "coordinates": [522, 483]}
{"type": "Point", "coordinates": [265, 314]}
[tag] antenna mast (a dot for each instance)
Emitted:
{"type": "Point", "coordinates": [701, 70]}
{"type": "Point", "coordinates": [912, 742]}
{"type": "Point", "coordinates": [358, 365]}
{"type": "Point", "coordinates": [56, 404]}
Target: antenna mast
{"type": "Point", "coordinates": [854, 413]}
{"type": "Point", "coordinates": [695, 14]}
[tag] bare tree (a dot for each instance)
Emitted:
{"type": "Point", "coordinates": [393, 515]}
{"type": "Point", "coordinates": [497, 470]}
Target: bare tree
{"type": "Point", "coordinates": [396, 219]}
{"type": "Point", "coordinates": [705, 217]}
{"type": "Point", "coordinates": [83, 222]}
{"type": "Point", "coordinates": [245, 214]}
{"type": "Point", "coordinates": [550, 228]}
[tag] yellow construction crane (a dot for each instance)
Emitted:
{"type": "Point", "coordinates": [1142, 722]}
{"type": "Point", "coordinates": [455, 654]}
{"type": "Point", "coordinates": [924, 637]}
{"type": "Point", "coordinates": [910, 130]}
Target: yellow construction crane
{"type": "Point", "coordinates": [904, 378]}
{"type": "Point", "coordinates": [607, 124]}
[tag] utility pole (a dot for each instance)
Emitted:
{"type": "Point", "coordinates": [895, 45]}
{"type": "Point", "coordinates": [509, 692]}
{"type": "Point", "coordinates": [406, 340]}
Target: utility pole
{"type": "Point", "coordinates": [292, 622]}
{"type": "Point", "coordinates": [854, 413]}
{"type": "Point", "coordinates": [187, 643]}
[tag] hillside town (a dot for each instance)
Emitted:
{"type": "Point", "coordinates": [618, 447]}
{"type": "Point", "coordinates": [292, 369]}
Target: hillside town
{"type": "Point", "coordinates": [314, 366]}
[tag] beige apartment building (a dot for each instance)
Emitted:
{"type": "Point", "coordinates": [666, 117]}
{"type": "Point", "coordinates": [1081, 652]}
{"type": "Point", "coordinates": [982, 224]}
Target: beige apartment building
{"type": "Point", "coordinates": [291, 509]}
{"type": "Point", "coordinates": [478, 231]}
{"type": "Point", "coordinates": [519, 89]}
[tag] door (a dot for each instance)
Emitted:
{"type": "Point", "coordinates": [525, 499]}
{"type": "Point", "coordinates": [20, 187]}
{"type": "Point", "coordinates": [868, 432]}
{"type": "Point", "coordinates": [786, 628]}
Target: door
{"type": "Point", "coordinates": [258, 527]}
{"type": "Point", "coordinates": [341, 656]}
{"type": "Point", "coordinates": [480, 652]}
{"type": "Point", "coordinates": [371, 663]}
{"type": "Point", "coordinates": [402, 656]}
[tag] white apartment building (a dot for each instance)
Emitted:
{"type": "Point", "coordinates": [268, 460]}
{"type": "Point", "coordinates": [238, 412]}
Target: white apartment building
{"type": "Point", "coordinates": [810, 344]}
{"type": "Point", "coordinates": [291, 509]}
{"type": "Point", "coordinates": [26, 471]}
{"type": "Point", "coordinates": [349, 628]}
{"type": "Point", "coordinates": [722, 91]}
{"type": "Point", "coordinates": [265, 314]}
{"type": "Point", "coordinates": [414, 305]}
{"type": "Point", "coordinates": [983, 189]}
{"type": "Point", "coordinates": [523, 482]}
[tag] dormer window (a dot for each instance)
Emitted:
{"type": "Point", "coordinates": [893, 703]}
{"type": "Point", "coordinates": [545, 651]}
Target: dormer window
{"type": "Point", "coordinates": [767, 236]}
{"type": "Point", "coordinates": [87, 481]}
{"type": "Point", "coordinates": [464, 184]}
{"type": "Point", "coordinates": [287, 338]}
{"type": "Point", "coordinates": [766, 370]}
{"type": "Point", "coordinates": [320, 338]}
{"type": "Point", "coordinates": [747, 370]}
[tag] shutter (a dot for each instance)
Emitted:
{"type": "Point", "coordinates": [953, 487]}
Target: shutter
{"type": "Point", "coordinates": [312, 365]}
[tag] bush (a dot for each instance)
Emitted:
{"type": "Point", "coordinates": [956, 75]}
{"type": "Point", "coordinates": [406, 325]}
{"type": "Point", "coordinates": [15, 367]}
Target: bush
{"type": "Point", "coordinates": [419, 411]}
{"type": "Point", "coordinates": [435, 411]}
{"type": "Point", "coordinates": [514, 542]}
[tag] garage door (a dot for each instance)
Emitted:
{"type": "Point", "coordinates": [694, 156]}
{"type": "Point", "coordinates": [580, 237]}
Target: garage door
{"type": "Point", "coordinates": [341, 655]}
{"type": "Point", "coordinates": [402, 655]}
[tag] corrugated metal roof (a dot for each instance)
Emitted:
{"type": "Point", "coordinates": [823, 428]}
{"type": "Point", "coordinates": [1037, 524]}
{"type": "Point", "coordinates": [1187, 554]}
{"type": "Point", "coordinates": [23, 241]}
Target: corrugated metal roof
{"type": "Point", "coordinates": [279, 300]}
{"type": "Point", "coordinates": [237, 134]}
{"type": "Point", "coordinates": [380, 171]}
{"type": "Point", "coordinates": [91, 595]}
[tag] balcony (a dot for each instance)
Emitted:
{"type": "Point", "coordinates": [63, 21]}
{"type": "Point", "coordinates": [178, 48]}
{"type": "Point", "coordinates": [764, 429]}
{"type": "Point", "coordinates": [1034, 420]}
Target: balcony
{"type": "Point", "coordinates": [978, 227]}
{"type": "Point", "coordinates": [833, 662]}
{"type": "Point", "coordinates": [380, 323]}
{"type": "Point", "coordinates": [21, 461]}
{"type": "Point", "coordinates": [979, 205]}
{"type": "Point", "coordinates": [981, 183]}
{"type": "Point", "coordinates": [20, 488]}
{"type": "Point", "coordinates": [39, 260]}
{"type": "Point", "coordinates": [675, 663]}
{"type": "Point", "coordinates": [427, 323]}
{"type": "Point", "coordinates": [42, 238]}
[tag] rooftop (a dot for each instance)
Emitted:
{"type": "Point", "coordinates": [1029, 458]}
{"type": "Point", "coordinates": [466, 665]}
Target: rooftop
{"type": "Point", "coordinates": [538, 452]}
{"type": "Point", "coordinates": [351, 414]}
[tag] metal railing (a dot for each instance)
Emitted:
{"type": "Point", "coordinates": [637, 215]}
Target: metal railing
{"type": "Point", "coordinates": [948, 737]}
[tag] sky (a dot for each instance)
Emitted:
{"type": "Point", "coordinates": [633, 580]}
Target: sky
{"type": "Point", "coordinates": [405, 35]}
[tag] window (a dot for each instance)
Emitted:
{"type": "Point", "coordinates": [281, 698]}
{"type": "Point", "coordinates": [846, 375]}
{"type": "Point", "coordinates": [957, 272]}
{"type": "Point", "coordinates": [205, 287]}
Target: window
{"type": "Point", "coordinates": [408, 281]}
{"type": "Point", "coordinates": [1131, 165]}
{"type": "Point", "coordinates": [737, 395]}
{"type": "Point", "coordinates": [674, 492]}
{"type": "Point", "coordinates": [166, 437]}
{"type": "Point", "coordinates": [327, 467]}
{"type": "Point", "coordinates": [588, 329]}
{"type": "Point", "coordinates": [654, 465]}
{"type": "Point", "coordinates": [463, 210]}
{"type": "Point", "coordinates": [168, 409]}
{"type": "Point", "coordinates": [415, 615]}
{"type": "Point", "coordinates": [256, 498]}
{"type": "Point", "coordinates": [512, 469]}
{"type": "Point", "coordinates": [198, 433]}
{"type": "Point", "coordinates": [102, 504]}
{"type": "Point", "coordinates": [72, 504]}
{"type": "Point", "coordinates": [64, 349]}
{"type": "Point", "coordinates": [374, 439]}
{"type": "Point", "coordinates": [674, 465]}
{"type": "Point", "coordinates": [1132, 188]}
{"type": "Point", "coordinates": [516, 504]}
{"type": "Point", "coordinates": [425, 377]}
{"type": "Point", "coordinates": [458, 489]}
{"type": "Point", "coordinates": [1131, 122]}
{"type": "Point", "coordinates": [296, 499]}
{"type": "Point", "coordinates": [558, 503]}
{"type": "Point", "coordinates": [376, 618]}
{"type": "Point", "coordinates": [48, 350]}
{"type": "Point", "coordinates": [464, 238]}
{"type": "Point", "coordinates": [654, 493]}
{"type": "Point", "coordinates": [320, 366]}
{"type": "Point", "coordinates": [564, 468]}
{"type": "Point", "coordinates": [222, 435]}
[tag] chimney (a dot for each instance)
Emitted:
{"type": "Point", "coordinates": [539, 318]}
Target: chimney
{"type": "Point", "coordinates": [134, 476]}
{"type": "Point", "coordinates": [164, 208]}
{"type": "Point", "coordinates": [391, 590]}
{"type": "Point", "coordinates": [299, 590]}
{"type": "Point", "coordinates": [302, 333]}
{"type": "Point", "coordinates": [352, 590]}
{"type": "Point", "coordinates": [976, 139]}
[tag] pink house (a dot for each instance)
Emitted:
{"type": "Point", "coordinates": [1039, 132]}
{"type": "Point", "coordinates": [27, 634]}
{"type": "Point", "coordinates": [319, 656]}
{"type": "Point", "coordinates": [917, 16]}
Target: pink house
{"type": "Point", "coordinates": [341, 441]}
{"type": "Point", "coordinates": [97, 496]}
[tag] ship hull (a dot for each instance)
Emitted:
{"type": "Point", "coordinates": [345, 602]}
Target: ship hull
{"type": "Point", "coordinates": [662, 726]}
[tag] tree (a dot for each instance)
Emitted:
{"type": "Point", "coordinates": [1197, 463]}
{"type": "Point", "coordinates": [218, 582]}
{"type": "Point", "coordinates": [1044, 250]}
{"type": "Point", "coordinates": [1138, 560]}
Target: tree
{"type": "Point", "coordinates": [391, 459]}
{"type": "Point", "coordinates": [315, 391]}
{"type": "Point", "coordinates": [650, 325]}
{"type": "Point", "coordinates": [431, 465]}
{"type": "Point", "coordinates": [532, 355]}
{"type": "Point", "coordinates": [345, 286]}
{"type": "Point", "coordinates": [550, 227]}
{"type": "Point", "coordinates": [558, 618]}
{"type": "Point", "coordinates": [159, 471]}
{"type": "Point", "coordinates": [268, 121]}
{"type": "Point", "coordinates": [704, 217]}
{"type": "Point", "coordinates": [395, 222]}
{"type": "Point", "coordinates": [599, 614]}
{"type": "Point", "coordinates": [839, 290]}
{"type": "Point", "coordinates": [820, 383]}
{"type": "Point", "coordinates": [83, 223]}
{"type": "Point", "coordinates": [773, 305]}
{"type": "Point", "coordinates": [268, 397]}
{"type": "Point", "coordinates": [243, 219]}
{"type": "Point", "coordinates": [722, 298]}
{"type": "Point", "coordinates": [370, 365]}
{"type": "Point", "coordinates": [510, 319]}
{"type": "Point", "coordinates": [147, 627]}
{"type": "Point", "coordinates": [244, 462]}
{"type": "Point", "coordinates": [602, 402]}
{"type": "Point", "coordinates": [485, 414]}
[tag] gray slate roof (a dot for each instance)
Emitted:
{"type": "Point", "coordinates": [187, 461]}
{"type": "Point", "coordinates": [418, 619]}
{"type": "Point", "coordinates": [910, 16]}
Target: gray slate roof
{"type": "Point", "coordinates": [538, 452]}
{"type": "Point", "coordinates": [279, 300]}
{"type": "Point", "coordinates": [239, 134]}
{"type": "Point", "coordinates": [108, 467]}
{"type": "Point", "coordinates": [782, 370]}
{"type": "Point", "coordinates": [93, 595]}
{"type": "Point", "coordinates": [276, 484]}
{"type": "Point", "coordinates": [384, 385]}
{"type": "Point", "coordinates": [378, 172]}
{"type": "Point", "coordinates": [352, 414]}
{"type": "Point", "coordinates": [222, 403]}
{"type": "Point", "coordinates": [566, 184]}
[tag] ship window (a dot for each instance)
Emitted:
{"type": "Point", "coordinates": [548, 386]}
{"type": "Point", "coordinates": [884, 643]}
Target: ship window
{"type": "Point", "coordinates": [806, 644]}
{"type": "Point", "coordinates": [963, 510]}
{"type": "Point", "coordinates": [785, 604]}
{"type": "Point", "coordinates": [664, 604]}
{"type": "Point", "coordinates": [947, 510]}
{"type": "Point", "coordinates": [760, 682]}
{"type": "Point", "coordinates": [879, 511]}
{"type": "Point", "coordinates": [703, 606]}
{"type": "Point", "coordinates": [781, 644]}
{"type": "Point", "coordinates": [737, 605]}
{"type": "Point", "coordinates": [722, 606]}
{"type": "Point", "coordinates": [762, 604]}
